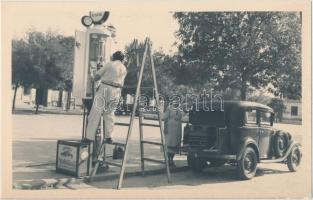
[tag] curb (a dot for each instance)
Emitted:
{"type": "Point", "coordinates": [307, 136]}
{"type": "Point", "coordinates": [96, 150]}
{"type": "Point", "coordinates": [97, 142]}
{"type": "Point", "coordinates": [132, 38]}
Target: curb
{"type": "Point", "coordinates": [43, 184]}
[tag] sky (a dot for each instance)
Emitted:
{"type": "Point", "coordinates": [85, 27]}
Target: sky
{"type": "Point", "coordinates": [130, 22]}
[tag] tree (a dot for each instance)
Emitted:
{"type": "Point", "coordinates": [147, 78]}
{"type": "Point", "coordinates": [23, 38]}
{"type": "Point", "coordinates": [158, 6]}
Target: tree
{"type": "Point", "coordinates": [43, 61]}
{"type": "Point", "coordinates": [239, 50]}
{"type": "Point", "coordinates": [278, 107]}
{"type": "Point", "coordinates": [165, 68]}
{"type": "Point", "coordinates": [44, 50]}
{"type": "Point", "coordinates": [287, 80]}
{"type": "Point", "coordinates": [134, 53]}
{"type": "Point", "coordinates": [22, 69]}
{"type": "Point", "coordinates": [66, 63]}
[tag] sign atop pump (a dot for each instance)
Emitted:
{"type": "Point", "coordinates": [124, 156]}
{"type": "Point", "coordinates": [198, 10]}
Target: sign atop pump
{"type": "Point", "coordinates": [95, 18]}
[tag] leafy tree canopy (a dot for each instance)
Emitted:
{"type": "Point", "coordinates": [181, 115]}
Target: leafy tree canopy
{"type": "Point", "coordinates": [240, 50]}
{"type": "Point", "coordinates": [43, 60]}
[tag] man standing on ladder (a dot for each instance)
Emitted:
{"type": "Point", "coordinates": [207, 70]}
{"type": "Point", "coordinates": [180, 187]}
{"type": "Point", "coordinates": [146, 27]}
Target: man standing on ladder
{"type": "Point", "coordinates": [112, 76]}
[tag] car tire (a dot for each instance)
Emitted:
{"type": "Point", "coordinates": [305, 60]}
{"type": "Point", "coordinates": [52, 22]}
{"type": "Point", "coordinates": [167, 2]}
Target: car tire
{"type": "Point", "coordinates": [294, 159]}
{"type": "Point", "coordinates": [196, 164]}
{"type": "Point", "coordinates": [247, 165]}
{"type": "Point", "coordinates": [281, 143]}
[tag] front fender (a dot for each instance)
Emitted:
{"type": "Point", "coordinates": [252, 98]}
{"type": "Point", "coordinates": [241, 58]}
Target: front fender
{"type": "Point", "coordinates": [244, 144]}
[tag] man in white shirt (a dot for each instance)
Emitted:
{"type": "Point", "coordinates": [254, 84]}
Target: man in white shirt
{"type": "Point", "coordinates": [112, 76]}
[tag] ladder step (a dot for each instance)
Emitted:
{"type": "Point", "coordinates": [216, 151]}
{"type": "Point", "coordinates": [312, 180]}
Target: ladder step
{"type": "Point", "coordinates": [153, 160]}
{"type": "Point", "coordinates": [150, 142]}
{"type": "Point", "coordinates": [121, 124]}
{"type": "Point", "coordinates": [112, 163]}
{"type": "Point", "coordinates": [153, 125]}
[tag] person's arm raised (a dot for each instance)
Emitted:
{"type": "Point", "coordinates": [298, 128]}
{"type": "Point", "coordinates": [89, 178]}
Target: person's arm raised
{"type": "Point", "coordinates": [100, 72]}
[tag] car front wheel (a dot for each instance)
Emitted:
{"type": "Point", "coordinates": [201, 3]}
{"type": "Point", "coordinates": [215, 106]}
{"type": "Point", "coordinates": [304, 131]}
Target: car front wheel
{"type": "Point", "coordinates": [196, 164]}
{"type": "Point", "coordinates": [247, 165]}
{"type": "Point", "coordinates": [294, 159]}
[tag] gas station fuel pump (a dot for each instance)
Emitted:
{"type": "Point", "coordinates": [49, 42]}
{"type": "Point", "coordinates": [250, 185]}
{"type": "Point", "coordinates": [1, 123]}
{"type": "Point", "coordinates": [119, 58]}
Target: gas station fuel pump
{"type": "Point", "coordinates": [92, 49]}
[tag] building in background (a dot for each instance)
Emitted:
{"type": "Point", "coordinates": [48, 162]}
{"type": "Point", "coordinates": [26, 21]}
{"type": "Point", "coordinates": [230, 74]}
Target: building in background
{"type": "Point", "coordinates": [26, 97]}
{"type": "Point", "coordinates": [293, 110]}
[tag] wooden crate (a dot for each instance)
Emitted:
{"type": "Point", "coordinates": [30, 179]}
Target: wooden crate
{"type": "Point", "coordinates": [74, 157]}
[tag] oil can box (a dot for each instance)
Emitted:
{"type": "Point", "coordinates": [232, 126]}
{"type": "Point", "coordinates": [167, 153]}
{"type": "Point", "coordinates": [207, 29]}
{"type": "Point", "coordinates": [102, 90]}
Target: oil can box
{"type": "Point", "coordinates": [74, 157]}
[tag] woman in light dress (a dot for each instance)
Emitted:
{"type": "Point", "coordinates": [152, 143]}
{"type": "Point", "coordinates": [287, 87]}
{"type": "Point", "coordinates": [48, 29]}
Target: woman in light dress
{"type": "Point", "coordinates": [172, 130]}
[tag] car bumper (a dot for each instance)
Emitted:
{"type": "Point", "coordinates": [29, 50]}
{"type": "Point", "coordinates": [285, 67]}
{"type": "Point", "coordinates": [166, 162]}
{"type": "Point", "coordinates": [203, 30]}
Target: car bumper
{"type": "Point", "coordinates": [209, 154]}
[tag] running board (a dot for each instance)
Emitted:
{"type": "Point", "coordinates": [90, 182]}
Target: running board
{"type": "Point", "coordinates": [293, 144]}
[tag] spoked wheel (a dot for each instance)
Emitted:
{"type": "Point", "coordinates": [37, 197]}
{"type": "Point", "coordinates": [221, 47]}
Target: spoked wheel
{"type": "Point", "coordinates": [294, 159]}
{"type": "Point", "coordinates": [247, 165]}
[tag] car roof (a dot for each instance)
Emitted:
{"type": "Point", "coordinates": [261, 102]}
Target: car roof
{"type": "Point", "coordinates": [250, 105]}
{"type": "Point", "coordinates": [245, 105]}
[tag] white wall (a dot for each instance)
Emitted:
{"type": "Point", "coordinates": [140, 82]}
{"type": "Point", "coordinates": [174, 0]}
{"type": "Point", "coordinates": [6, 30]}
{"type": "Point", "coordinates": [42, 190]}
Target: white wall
{"type": "Point", "coordinates": [289, 104]}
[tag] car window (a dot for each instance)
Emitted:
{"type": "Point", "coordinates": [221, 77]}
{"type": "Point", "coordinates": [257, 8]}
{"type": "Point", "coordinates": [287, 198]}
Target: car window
{"type": "Point", "coordinates": [251, 117]}
{"type": "Point", "coordinates": [265, 118]}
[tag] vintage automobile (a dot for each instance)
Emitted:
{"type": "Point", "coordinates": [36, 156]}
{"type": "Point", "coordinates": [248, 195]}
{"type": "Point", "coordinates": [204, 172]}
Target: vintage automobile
{"type": "Point", "coordinates": [240, 133]}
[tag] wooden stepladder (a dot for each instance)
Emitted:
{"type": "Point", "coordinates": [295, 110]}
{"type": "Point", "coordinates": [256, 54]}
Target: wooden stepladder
{"type": "Point", "coordinates": [122, 166]}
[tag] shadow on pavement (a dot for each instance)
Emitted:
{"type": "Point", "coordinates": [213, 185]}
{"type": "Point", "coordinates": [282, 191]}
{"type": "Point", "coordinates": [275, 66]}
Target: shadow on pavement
{"type": "Point", "coordinates": [267, 171]}
{"type": "Point", "coordinates": [214, 175]}
{"type": "Point", "coordinates": [35, 161]}
{"type": "Point", "coordinates": [188, 178]}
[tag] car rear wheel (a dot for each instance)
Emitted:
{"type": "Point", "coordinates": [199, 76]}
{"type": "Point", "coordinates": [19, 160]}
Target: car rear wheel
{"type": "Point", "coordinates": [294, 159]}
{"type": "Point", "coordinates": [247, 165]}
{"type": "Point", "coordinates": [196, 164]}
{"type": "Point", "coordinates": [281, 143]}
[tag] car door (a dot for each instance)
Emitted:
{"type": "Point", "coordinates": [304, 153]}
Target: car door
{"type": "Point", "coordinates": [265, 133]}
{"type": "Point", "coordinates": [249, 129]}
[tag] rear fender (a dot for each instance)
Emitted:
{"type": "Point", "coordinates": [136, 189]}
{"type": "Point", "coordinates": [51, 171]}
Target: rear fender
{"type": "Point", "coordinates": [248, 142]}
{"type": "Point", "coordinates": [281, 159]}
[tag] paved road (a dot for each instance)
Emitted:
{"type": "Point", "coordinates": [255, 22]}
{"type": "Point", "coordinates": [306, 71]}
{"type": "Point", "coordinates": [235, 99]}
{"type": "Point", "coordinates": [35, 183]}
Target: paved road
{"type": "Point", "coordinates": [34, 141]}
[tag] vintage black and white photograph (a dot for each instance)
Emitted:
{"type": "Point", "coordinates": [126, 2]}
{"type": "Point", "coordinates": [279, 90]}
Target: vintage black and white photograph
{"type": "Point", "coordinates": [107, 98]}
